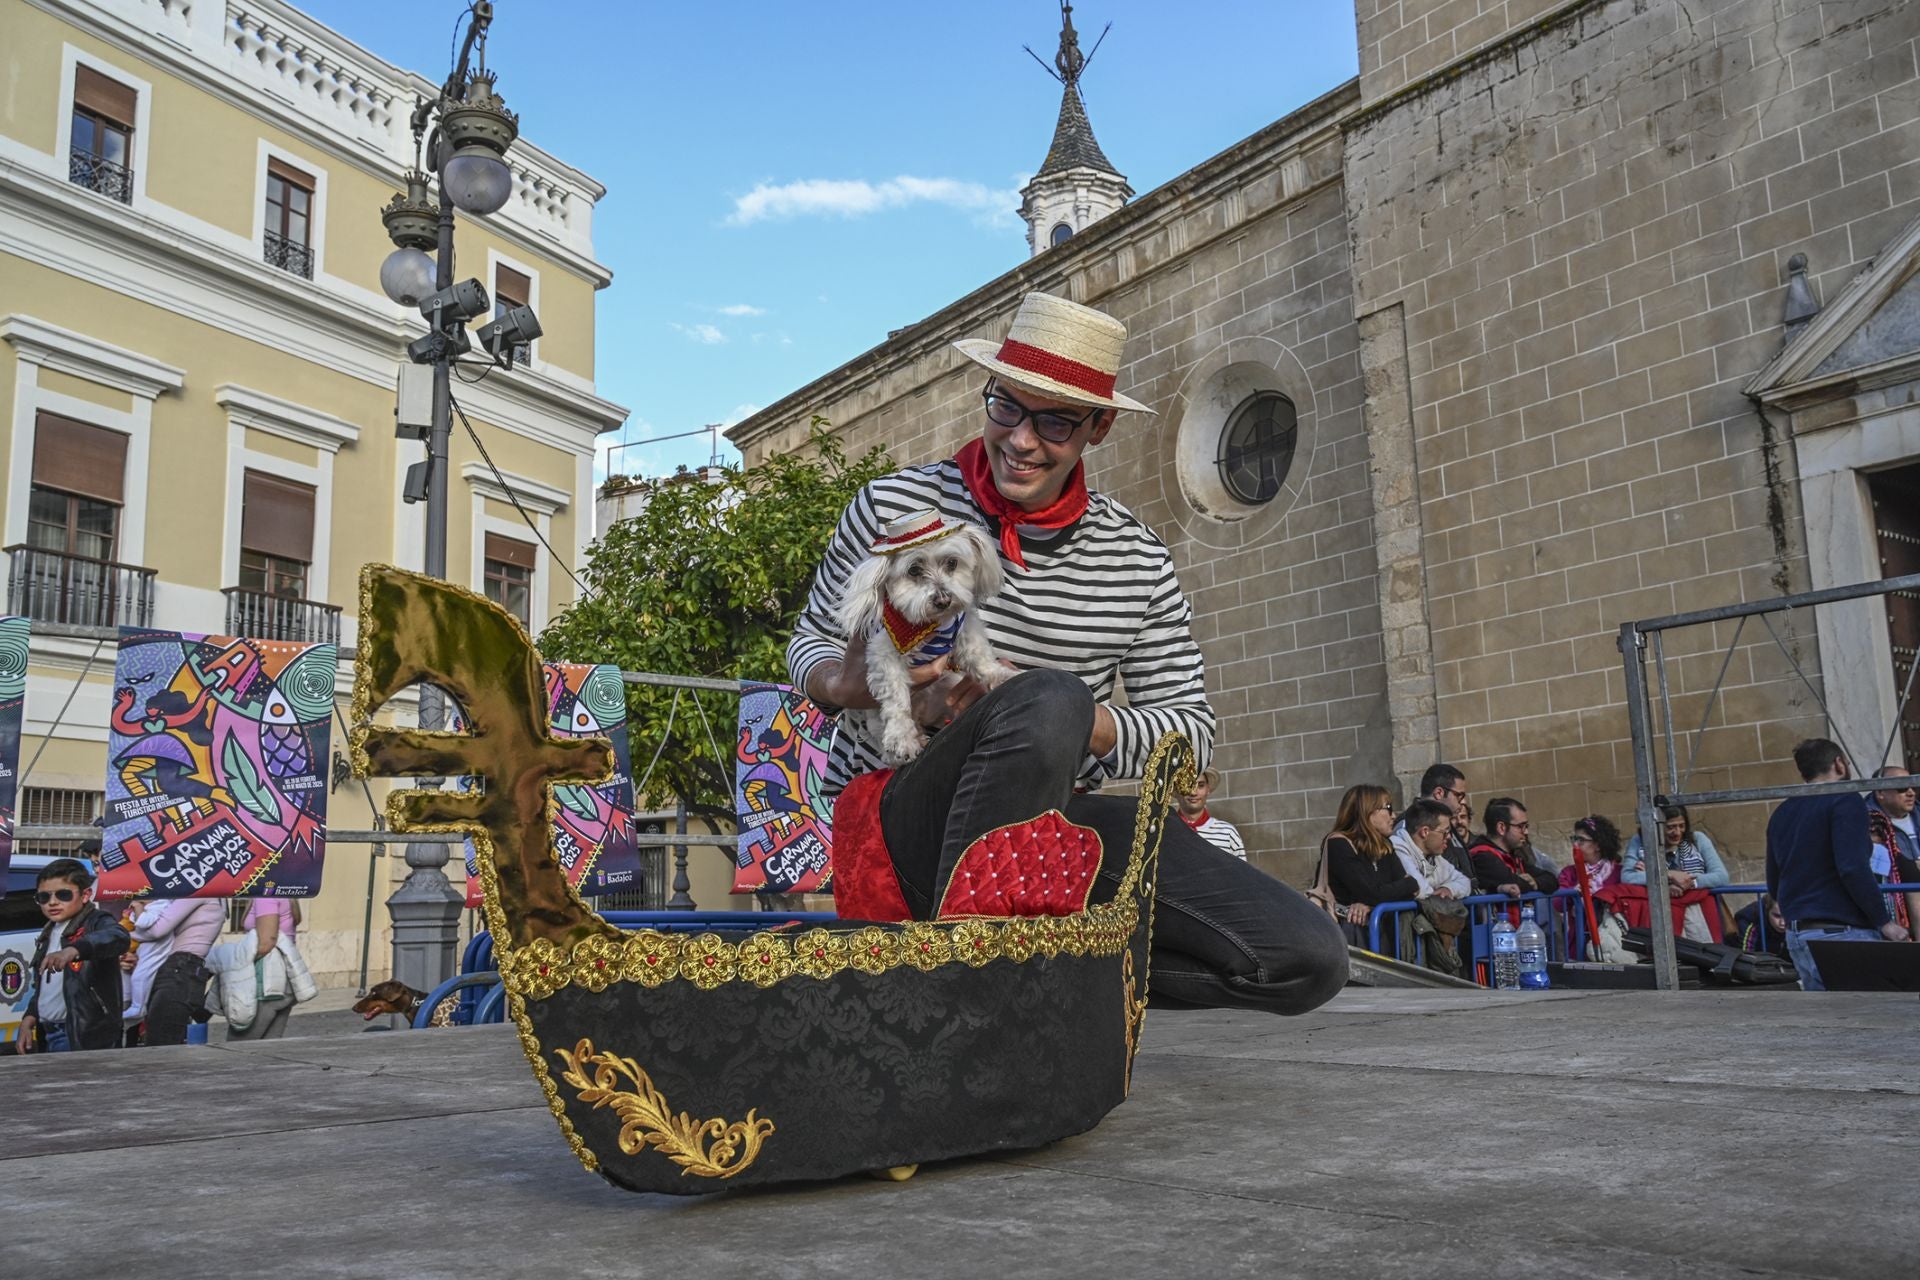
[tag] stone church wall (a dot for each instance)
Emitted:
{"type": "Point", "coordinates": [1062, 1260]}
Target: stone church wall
{"type": "Point", "coordinates": [1579, 240]}
{"type": "Point", "coordinates": [1233, 277]}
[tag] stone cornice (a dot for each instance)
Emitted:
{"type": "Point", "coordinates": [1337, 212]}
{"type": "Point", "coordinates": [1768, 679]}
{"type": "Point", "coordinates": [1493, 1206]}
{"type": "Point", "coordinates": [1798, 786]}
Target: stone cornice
{"type": "Point", "coordinates": [256, 409]}
{"type": "Point", "coordinates": [64, 350]}
{"type": "Point", "coordinates": [375, 140]}
{"type": "Point", "coordinates": [1284, 147]}
{"type": "Point", "coordinates": [537, 497]}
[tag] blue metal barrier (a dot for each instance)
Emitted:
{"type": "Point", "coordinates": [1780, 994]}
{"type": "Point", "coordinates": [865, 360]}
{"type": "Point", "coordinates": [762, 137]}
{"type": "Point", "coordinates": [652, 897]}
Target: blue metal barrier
{"type": "Point", "coordinates": [480, 984]}
{"type": "Point", "coordinates": [1564, 923]}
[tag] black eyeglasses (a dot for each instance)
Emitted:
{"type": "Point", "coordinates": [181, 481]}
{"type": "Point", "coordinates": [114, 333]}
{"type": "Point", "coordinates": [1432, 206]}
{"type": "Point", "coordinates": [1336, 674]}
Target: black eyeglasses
{"type": "Point", "coordinates": [1052, 425]}
{"type": "Point", "coordinates": [48, 895]}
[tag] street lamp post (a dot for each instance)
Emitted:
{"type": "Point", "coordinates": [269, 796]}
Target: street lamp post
{"type": "Point", "coordinates": [465, 149]}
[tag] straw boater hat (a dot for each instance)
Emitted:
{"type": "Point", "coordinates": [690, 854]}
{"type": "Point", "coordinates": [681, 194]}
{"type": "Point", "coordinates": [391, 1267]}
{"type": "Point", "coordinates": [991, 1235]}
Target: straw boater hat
{"type": "Point", "coordinates": [1059, 349]}
{"type": "Point", "coordinates": [916, 528]}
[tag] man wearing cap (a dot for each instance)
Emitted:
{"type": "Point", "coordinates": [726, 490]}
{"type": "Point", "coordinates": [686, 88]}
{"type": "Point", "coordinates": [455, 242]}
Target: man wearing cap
{"type": "Point", "coordinates": [1090, 599]}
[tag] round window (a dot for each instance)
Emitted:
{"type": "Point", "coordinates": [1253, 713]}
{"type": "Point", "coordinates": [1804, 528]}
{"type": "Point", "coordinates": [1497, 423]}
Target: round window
{"type": "Point", "coordinates": [1256, 449]}
{"type": "Point", "coordinates": [1061, 233]}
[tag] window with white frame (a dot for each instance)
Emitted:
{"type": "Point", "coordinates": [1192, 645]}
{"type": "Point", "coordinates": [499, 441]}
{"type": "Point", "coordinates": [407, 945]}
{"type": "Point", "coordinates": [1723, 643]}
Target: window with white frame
{"type": "Point", "coordinates": [507, 575]}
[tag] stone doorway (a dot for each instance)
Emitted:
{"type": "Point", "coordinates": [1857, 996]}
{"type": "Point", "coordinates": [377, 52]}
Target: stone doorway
{"type": "Point", "coordinates": [1896, 517]}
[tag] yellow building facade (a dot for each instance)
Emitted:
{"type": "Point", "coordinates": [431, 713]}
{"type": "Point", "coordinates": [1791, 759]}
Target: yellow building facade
{"type": "Point", "coordinates": [197, 370]}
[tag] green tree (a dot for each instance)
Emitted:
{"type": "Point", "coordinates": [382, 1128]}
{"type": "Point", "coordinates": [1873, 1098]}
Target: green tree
{"type": "Point", "coordinates": [707, 581]}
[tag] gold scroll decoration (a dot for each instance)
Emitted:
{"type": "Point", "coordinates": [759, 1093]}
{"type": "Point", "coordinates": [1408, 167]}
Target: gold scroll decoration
{"type": "Point", "coordinates": [710, 1148]}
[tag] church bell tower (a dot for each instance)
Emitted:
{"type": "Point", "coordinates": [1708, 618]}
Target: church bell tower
{"type": "Point", "coordinates": [1076, 185]}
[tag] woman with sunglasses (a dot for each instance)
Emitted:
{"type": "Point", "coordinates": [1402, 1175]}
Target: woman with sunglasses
{"type": "Point", "coordinates": [76, 966]}
{"type": "Point", "coordinates": [1361, 864]}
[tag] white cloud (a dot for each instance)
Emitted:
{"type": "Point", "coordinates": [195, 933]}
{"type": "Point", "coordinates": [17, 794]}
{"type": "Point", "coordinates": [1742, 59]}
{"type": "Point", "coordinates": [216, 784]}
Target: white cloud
{"type": "Point", "coordinates": [705, 334]}
{"type": "Point", "coordinates": [741, 412]}
{"type": "Point", "coordinates": [854, 198]}
{"type": "Point", "coordinates": [742, 309]}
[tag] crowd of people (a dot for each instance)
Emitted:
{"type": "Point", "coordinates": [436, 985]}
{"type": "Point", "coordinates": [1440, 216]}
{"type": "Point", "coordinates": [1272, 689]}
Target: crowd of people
{"type": "Point", "coordinates": [1836, 867]}
{"type": "Point", "coordinates": [146, 975]}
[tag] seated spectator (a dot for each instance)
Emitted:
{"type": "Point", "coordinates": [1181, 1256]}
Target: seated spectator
{"type": "Point", "coordinates": [1215, 831]}
{"type": "Point", "coordinates": [1596, 841]}
{"type": "Point", "coordinates": [1448, 786]}
{"type": "Point", "coordinates": [1500, 857]}
{"type": "Point", "coordinates": [1895, 856]}
{"type": "Point", "coordinates": [1746, 928]}
{"type": "Point", "coordinates": [1421, 840]}
{"type": "Point", "coordinates": [1692, 861]}
{"type": "Point", "coordinates": [1361, 866]}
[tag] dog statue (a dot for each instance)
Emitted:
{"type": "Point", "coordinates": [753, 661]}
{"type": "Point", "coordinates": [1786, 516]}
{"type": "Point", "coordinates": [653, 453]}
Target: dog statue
{"type": "Point", "coordinates": [914, 599]}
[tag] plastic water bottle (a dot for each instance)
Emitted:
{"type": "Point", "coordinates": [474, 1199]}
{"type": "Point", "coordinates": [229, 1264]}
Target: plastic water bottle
{"type": "Point", "coordinates": [1533, 952]}
{"type": "Point", "coordinates": [1506, 956]}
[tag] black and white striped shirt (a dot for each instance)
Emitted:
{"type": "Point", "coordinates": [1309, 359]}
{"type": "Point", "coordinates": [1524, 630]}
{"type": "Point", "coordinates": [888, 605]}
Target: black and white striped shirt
{"type": "Point", "coordinates": [1099, 599]}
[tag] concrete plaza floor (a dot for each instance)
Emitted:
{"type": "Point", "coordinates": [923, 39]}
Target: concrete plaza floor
{"type": "Point", "coordinates": [1393, 1133]}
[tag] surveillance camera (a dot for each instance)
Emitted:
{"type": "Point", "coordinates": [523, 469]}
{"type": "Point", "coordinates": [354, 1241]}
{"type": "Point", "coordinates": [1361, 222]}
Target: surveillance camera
{"type": "Point", "coordinates": [436, 346]}
{"type": "Point", "coordinates": [507, 337]}
{"type": "Point", "coordinates": [457, 302]}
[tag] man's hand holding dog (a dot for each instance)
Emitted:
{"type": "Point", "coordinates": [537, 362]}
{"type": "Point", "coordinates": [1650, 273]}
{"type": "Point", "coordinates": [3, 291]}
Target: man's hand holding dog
{"type": "Point", "coordinates": [939, 693]}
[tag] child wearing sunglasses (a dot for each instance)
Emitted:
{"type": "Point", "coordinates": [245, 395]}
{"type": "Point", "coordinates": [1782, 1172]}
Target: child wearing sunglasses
{"type": "Point", "coordinates": [76, 998]}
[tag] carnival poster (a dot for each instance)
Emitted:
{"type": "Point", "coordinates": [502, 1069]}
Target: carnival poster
{"type": "Point", "coordinates": [217, 767]}
{"type": "Point", "coordinates": [593, 826]}
{"type": "Point", "coordinates": [780, 761]}
{"type": "Point", "coordinates": [13, 701]}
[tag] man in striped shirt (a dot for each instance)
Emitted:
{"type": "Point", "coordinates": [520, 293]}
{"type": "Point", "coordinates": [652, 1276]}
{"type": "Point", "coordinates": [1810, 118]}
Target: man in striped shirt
{"type": "Point", "coordinates": [1194, 812]}
{"type": "Point", "coordinates": [1091, 599]}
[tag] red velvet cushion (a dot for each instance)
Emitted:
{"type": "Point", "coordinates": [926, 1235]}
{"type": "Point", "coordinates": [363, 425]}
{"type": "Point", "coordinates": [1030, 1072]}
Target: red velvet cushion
{"type": "Point", "coordinates": [865, 886]}
{"type": "Point", "coordinates": [1040, 868]}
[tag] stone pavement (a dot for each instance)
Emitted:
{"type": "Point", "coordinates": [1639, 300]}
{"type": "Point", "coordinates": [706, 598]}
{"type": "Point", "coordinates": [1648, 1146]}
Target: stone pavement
{"type": "Point", "coordinates": [1393, 1133]}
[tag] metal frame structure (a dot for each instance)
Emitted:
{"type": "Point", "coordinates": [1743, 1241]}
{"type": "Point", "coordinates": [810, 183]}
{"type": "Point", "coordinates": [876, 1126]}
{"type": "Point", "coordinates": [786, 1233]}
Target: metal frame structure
{"type": "Point", "coordinates": [1635, 640]}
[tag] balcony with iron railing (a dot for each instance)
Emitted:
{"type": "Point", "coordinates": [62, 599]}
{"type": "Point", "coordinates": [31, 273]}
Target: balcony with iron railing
{"type": "Point", "coordinates": [95, 173]}
{"type": "Point", "coordinates": [288, 255]}
{"type": "Point", "coordinates": [62, 590]}
{"type": "Point", "coordinates": [262, 616]}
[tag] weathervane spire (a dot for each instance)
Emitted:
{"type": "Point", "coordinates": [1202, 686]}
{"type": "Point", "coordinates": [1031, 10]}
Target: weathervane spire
{"type": "Point", "coordinates": [1069, 60]}
{"type": "Point", "coordinates": [1076, 184]}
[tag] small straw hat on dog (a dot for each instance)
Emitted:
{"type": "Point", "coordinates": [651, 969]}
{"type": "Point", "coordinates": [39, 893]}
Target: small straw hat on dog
{"type": "Point", "coordinates": [915, 529]}
{"type": "Point", "coordinates": [1059, 349]}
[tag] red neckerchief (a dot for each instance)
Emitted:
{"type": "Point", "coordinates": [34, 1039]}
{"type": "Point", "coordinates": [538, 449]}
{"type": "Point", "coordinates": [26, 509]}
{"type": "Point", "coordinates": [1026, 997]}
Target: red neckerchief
{"type": "Point", "coordinates": [906, 635]}
{"type": "Point", "coordinates": [1058, 514]}
{"type": "Point", "coordinates": [1201, 821]}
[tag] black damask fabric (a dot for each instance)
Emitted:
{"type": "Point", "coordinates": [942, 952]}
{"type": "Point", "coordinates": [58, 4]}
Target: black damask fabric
{"type": "Point", "coordinates": [858, 1071]}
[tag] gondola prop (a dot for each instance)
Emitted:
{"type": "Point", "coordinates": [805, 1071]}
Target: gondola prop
{"type": "Point", "coordinates": [690, 1063]}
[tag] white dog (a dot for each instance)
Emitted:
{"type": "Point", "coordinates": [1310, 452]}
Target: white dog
{"type": "Point", "coordinates": [914, 601]}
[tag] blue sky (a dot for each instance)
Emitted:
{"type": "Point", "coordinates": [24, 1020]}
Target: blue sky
{"type": "Point", "coordinates": [787, 182]}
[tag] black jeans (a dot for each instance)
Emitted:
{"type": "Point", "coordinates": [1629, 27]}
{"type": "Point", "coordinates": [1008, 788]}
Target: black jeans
{"type": "Point", "coordinates": [178, 996]}
{"type": "Point", "coordinates": [1225, 933]}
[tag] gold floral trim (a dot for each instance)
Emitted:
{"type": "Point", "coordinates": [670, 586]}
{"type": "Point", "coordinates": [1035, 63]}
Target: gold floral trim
{"type": "Point", "coordinates": [707, 960]}
{"type": "Point", "coordinates": [1136, 1014]}
{"type": "Point", "coordinates": [710, 1148]}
